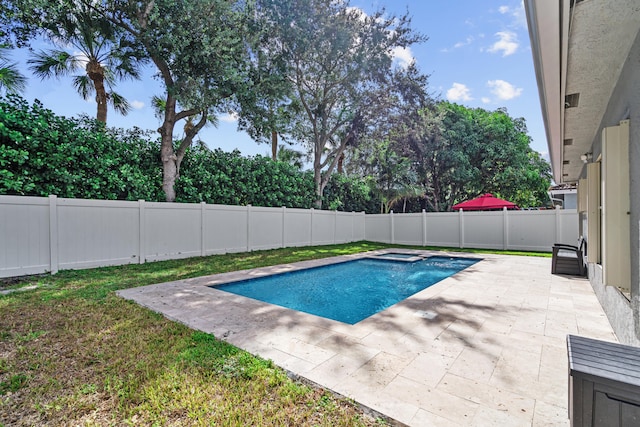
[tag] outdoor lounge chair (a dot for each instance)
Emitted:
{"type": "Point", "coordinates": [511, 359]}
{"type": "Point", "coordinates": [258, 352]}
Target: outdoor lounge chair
{"type": "Point", "coordinates": [568, 259]}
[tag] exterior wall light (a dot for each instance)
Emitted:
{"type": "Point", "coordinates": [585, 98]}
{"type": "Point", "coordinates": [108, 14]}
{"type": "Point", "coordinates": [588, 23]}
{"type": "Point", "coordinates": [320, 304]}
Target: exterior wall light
{"type": "Point", "coordinates": [586, 157]}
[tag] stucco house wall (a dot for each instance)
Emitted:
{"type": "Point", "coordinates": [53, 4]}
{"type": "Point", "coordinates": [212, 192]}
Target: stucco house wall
{"type": "Point", "coordinates": [623, 310]}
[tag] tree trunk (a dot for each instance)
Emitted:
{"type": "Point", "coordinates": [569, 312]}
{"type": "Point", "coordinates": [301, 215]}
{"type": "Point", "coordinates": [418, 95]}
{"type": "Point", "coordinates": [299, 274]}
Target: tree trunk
{"type": "Point", "coordinates": [96, 74]}
{"type": "Point", "coordinates": [274, 145]}
{"type": "Point", "coordinates": [167, 152]}
{"type": "Point", "coordinates": [169, 174]}
{"type": "Point", "coordinates": [319, 189]}
{"type": "Point", "coordinates": [340, 161]}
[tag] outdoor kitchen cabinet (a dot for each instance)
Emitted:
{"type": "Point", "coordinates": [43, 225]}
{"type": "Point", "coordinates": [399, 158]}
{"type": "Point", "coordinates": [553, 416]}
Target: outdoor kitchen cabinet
{"type": "Point", "coordinates": [604, 383]}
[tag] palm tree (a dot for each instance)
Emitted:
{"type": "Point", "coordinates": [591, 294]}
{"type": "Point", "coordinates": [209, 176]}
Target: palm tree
{"type": "Point", "coordinates": [288, 155]}
{"type": "Point", "coordinates": [11, 80]}
{"type": "Point", "coordinates": [104, 62]}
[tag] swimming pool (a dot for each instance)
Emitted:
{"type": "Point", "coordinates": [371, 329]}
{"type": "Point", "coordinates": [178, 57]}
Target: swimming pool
{"type": "Point", "coordinates": [349, 291]}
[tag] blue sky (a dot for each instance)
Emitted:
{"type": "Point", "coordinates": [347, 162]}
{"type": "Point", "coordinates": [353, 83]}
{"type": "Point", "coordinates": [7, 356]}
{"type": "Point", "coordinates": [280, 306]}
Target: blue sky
{"type": "Point", "coordinates": [478, 55]}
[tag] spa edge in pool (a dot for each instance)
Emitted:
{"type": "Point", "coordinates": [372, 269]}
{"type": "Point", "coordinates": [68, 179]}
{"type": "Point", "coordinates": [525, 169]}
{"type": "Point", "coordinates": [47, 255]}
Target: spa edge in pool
{"type": "Point", "coordinates": [349, 291]}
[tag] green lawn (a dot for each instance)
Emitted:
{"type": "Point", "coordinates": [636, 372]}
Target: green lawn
{"type": "Point", "coordinates": [73, 353]}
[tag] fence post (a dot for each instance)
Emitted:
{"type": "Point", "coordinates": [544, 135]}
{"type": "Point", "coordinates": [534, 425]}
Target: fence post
{"type": "Point", "coordinates": [461, 225]}
{"type": "Point", "coordinates": [53, 234]}
{"type": "Point", "coordinates": [284, 223]}
{"type": "Point", "coordinates": [335, 225]}
{"type": "Point", "coordinates": [353, 218]}
{"type": "Point", "coordinates": [393, 231]}
{"type": "Point", "coordinates": [203, 211]}
{"type": "Point", "coordinates": [311, 227]}
{"type": "Point", "coordinates": [364, 225]}
{"type": "Point", "coordinates": [424, 227]}
{"type": "Point", "coordinates": [248, 228]}
{"type": "Point", "coordinates": [142, 233]}
{"type": "Point", "coordinates": [505, 228]}
{"type": "Point", "coordinates": [558, 225]}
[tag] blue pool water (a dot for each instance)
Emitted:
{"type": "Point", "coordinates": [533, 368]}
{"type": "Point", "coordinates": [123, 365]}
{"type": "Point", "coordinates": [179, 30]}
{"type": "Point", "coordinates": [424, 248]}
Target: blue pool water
{"type": "Point", "coordinates": [349, 291]}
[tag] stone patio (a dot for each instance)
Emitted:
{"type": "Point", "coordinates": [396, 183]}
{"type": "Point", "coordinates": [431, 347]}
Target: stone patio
{"type": "Point", "coordinates": [484, 347]}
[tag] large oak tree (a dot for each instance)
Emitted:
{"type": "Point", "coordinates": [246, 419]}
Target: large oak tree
{"type": "Point", "coordinates": [459, 153]}
{"type": "Point", "coordinates": [200, 50]}
{"type": "Point", "coordinates": [338, 58]}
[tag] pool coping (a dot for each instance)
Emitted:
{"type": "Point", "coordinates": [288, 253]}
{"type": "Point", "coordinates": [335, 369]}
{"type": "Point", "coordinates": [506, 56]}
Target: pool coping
{"type": "Point", "coordinates": [378, 359]}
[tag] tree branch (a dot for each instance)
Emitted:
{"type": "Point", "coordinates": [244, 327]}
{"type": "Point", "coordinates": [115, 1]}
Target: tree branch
{"type": "Point", "coordinates": [187, 113]}
{"type": "Point", "coordinates": [188, 139]}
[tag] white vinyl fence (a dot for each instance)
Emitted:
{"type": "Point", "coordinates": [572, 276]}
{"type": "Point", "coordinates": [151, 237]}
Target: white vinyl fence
{"type": "Point", "coordinates": [47, 234]}
{"type": "Point", "coordinates": [511, 230]}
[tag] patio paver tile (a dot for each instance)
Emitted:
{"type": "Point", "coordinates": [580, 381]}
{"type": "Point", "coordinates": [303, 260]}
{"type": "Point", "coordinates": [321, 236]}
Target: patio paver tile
{"type": "Point", "coordinates": [348, 346]}
{"type": "Point", "coordinates": [427, 368]}
{"type": "Point", "coordinates": [333, 371]}
{"type": "Point", "coordinates": [475, 364]}
{"type": "Point", "coordinates": [547, 415]}
{"type": "Point", "coordinates": [494, 417]}
{"type": "Point", "coordinates": [444, 404]}
{"type": "Point", "coordinates": [429, 419]}
{"type": "Point", "coordinates": [486, 395]}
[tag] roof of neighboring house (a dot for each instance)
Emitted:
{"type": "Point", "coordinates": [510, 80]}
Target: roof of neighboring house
{"type": "Point", "coordinates": [564, 186]}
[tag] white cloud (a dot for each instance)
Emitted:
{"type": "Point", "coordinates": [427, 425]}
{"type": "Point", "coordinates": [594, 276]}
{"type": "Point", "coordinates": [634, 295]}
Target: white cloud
{"type": "Point", "coordinates": [516, 13]}
{"type": "Point", "coordinates": [504, 90]}
{"type": "Point", "coordinates": [507, 43]}
{"type": "Point", "coordinates": [459, 92]}
{"type": "Point", "coordinates": [229, 117]}
{"type": "Point", "coordinates": [467, 42]}
{"type": "Point", "coordinates": [486, 100]}
{"type": "Point", "coordinates": [403, 56]}
{"type": "Point", "coordinates": [137, 104]}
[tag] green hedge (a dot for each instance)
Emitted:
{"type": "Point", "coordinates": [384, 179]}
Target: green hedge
{"type": "Point", "coordinates": [42, 153]}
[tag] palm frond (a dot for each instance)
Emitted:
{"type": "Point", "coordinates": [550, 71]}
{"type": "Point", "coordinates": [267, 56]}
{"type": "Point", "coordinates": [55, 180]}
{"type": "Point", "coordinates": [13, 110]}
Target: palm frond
{"type": "Point", "coordinates": [213, 120]}
{"type": "Point", "coordinates": [158, 105]}
{"type": "Point", "coordinates": [11, 80]}
{"type": "Point", "coordinates": [53, 63]}
{"type": "Point", "coordinates": [119, 103]}
{"type": "Point", "coordinates": [84, 85]}
{"type": "Point", "coordinates": [124, 66]}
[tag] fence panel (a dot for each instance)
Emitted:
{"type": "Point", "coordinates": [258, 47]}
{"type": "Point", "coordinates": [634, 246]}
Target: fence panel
{"type": "Point", "coordinates": [532, 230]}
{"type": "Point", "coordinates": [377, 228]}
{"type": "Point", "coordinates": [569, 227]}
{"type": "Point", "coordinates": [359, 231]}
{"type": "Point", "coordinates": [483, 230]}
{"type": "Point", "coordinates": [225, 229]}
{"type": "Point", "coordinates": [324, 228]}
{"type": "Point", "coordinates": [297, 227]}
{"type": "Point", "coordinates": [443, 229]}
{"type": "Point", "coordinates": [24, 235]}
{"type": "Point", "coordinates": [94, 233]}
{"type": "Point", "coordinates": [344, 227]}
{"type": "Point", "coordinates": [407, 229]}
{"type": "Point", "coordinates": [173, 230]}
{"type": "Point", "coordinates": [265, 228]}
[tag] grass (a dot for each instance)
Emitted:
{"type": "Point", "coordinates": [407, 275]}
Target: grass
{"type": "Point", "coordinates": [73, 353]}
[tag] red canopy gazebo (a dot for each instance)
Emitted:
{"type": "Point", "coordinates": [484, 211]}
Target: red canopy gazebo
{"type": "Point", "coordinates": [486, 202]}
